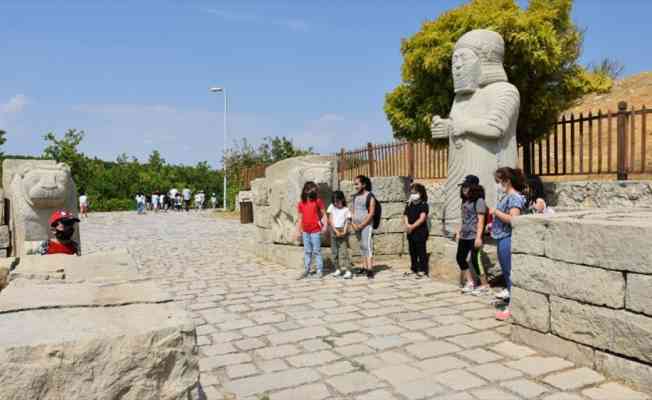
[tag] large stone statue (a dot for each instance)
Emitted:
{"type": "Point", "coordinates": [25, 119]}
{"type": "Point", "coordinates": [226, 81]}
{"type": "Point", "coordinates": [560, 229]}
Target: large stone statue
{"type": "Point", "coordinates": [481, 127]}
{"type": "Point", "coordinates": [35, 188]}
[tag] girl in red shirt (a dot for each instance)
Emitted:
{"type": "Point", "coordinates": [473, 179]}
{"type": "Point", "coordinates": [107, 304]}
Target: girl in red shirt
{"type": "Point", "coordinates": [311, 211]}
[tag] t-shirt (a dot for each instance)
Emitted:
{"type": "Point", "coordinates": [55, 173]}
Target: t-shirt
{"type": "Point", "coordinates": [339, 215]}
{"type": "Point", "coordinates": [360, 211]}
{"type": "Point", "coordinates": [499, 229]}
{"type": "Point", "coordinates": [83, 200]}
{"type": "Point", "coordinates": [186, 194]}
{"type": "Point", "coordinates": [413, 211]}
{"type": "Point", "coordinates": [470, 211]}
{"type": "Point", "coordinates": [154, 199]}
{"type": "Point", "coordinates": [311, 212]}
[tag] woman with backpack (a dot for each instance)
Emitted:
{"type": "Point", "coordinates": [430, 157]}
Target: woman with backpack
{"type": "Point", "coordinates": [363, 215]}
{"type": "Point", "coordinates": [469, 235]}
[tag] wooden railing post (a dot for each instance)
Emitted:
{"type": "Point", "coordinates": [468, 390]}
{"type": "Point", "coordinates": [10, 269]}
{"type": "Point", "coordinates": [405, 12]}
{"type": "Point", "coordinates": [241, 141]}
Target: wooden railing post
{"type": "Point", "coordinates": [341, 163]}
{"type": "Point", "coordinates": [621, 145]}
{"type": "Point", "coordinates": [410, 155]}
{"type": "Point", "coordinates": [527, 159]}
{"type": "Point", "coordinates": [370, 158]}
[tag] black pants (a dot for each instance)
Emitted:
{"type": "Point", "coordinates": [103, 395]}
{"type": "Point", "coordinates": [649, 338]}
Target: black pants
{"type": "Point", "coordinates": [464, 247]}
{"type": "Point", "coordinates": [418, 255]}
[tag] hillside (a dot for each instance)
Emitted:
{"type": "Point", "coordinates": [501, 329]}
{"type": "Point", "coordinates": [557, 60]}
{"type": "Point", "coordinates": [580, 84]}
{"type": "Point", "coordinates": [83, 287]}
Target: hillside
{"type": "Point", "coordinates": [636, 90]}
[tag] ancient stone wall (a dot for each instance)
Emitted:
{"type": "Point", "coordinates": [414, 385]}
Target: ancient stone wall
{"type": "Point", "coordinates": [392, 193]}
{"type": "Point", "coordinates": [91, 327]}
{"type": "Point", "coordinates": [582, 284]}
{"type": "Point", "coordinates": [5, 237]}
{"type": "Point", "coordinates": [599, 194]}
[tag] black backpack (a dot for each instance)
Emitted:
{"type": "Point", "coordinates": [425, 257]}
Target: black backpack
{"type": "Point", "coordinates": [378, 211]}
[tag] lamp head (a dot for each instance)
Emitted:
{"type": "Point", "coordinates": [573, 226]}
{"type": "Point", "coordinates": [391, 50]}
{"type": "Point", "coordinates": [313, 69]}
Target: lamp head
{"type": "Point", "coordinates": [216, 89]}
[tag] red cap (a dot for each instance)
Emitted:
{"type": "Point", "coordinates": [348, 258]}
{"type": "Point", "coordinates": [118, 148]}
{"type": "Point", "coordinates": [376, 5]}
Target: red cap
{"type": "Point", "coordinates": [62, 215]}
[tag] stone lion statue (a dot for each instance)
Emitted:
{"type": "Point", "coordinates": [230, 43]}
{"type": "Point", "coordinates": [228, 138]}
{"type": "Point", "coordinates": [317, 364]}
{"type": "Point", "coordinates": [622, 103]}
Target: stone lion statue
{"type": "Point", "coordinates": [34, 189]}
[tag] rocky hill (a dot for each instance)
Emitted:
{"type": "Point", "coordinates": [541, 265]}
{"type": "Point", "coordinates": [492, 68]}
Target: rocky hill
{"type": "Point", "coordinates": [636, 90]}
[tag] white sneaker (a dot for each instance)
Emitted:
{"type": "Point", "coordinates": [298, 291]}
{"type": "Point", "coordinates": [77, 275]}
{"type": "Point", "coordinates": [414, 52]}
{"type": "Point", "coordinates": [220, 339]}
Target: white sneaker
{"type": "Point", "coordinates": [468, 288]}
{"type": "Point", "coordinates": [348, 275]}
{"type": "Point", "coordinates": [337, 273]}
{"type": "Point", "coordinates": [503, 294]}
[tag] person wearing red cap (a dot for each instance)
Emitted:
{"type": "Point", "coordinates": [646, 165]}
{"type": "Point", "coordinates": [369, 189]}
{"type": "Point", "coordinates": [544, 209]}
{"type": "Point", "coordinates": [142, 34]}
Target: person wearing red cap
{"type": "Point", "coordinates": [62, 224]}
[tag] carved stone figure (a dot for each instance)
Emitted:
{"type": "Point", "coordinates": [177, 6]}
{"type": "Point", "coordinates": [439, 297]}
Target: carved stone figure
{"type": "Point", "coordinates": [35, 188]}
{"type": "Point", "coordinates": [481, 127]}
{"type": "Point", "coordinates": [285, 180]}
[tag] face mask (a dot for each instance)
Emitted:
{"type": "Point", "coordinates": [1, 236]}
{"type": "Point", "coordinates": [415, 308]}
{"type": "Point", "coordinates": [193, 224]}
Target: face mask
{"type": "Point", "coordinates": [312, 195]}
{"type": "Point", "coordinates": [414, 197]}
{"type": "Point", "coordinates": [65, 234]}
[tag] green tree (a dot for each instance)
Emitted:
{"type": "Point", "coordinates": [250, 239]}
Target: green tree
{"type": "Point", "coordinates": [65, 150]}
{"type": "Point", "coordinates": [542, 47]}
{"type": "Point", "coordinates": [3, 140]}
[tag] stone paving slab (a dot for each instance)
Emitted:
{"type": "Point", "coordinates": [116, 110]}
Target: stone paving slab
{"type": "Point", "coordinates": [263, 333]}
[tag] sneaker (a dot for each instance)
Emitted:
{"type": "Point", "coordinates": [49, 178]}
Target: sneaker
{"type": "Point", "coordinates": [480, 291]}
{"type": "Point", "coordinates": [503, 315]}
{"type": "Point", "coordinates": [420, 275]}
{"type": "Point", "coordinates": [370, 274]}
{"type": "Point", "coordinates": [468, 288]}
{"type": "Point", "coordinates": [348, 275]}
{"type": "Point", "coordinates": [337, 273]}
{"type": "Point", "coordinates": [503, 294]}
{"type": "Point", "coordinates": [303, 275]}
{"type": "Point", "coordinates": [408, 274]}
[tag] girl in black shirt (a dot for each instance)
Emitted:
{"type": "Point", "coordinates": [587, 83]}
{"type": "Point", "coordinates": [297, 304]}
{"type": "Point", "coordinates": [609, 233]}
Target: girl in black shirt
{"type": "Point", "coordinates": [416, 226]}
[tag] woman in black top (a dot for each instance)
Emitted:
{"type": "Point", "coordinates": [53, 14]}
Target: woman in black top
{"type": "Point", "coordinates": [416, 226]}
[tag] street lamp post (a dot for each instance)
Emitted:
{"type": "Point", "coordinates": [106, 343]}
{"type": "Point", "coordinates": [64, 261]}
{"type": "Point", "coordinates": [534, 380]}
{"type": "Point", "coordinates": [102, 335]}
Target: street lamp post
{"type": "Point", "coordinates": [226, 102]}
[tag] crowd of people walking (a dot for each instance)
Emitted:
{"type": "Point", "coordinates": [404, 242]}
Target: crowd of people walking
{"type": "Point", "coordinates": [480, 223]}
{"type": "Point", "coordinates": [174, 200]}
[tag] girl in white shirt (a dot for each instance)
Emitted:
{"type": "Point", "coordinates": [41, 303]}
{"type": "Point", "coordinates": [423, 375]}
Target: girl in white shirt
{"type": "Point", "coordinates": [339, 219]}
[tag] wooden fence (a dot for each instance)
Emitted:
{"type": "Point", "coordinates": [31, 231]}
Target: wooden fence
{"type": "Point", "coordinates": [249, 174]}
{"type": "Point", "coordinates": [595, 143]}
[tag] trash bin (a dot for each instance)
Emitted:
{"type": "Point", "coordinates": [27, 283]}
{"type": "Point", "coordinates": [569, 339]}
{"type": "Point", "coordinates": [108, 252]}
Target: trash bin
{"type": "Point", "coordinates": [246, 212]}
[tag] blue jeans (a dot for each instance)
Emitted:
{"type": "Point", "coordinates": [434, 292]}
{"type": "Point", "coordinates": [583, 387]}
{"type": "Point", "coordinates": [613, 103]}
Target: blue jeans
{"type": "Point", "coordinates": [141, 208]}
{"type": "Point", "coordinates": [312, 248]}
{"type": "Point", "coordinates": [505, 259]}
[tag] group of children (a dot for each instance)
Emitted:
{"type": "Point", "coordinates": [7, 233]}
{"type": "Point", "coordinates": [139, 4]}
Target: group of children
{"type": "Point", "coordinates": [515, 197]}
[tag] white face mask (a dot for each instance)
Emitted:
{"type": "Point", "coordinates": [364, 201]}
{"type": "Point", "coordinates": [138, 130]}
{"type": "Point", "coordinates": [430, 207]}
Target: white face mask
{"type": "Point", "coordinates": [500, 189]}
{"type": "Point", "coordinates": [414, 197]}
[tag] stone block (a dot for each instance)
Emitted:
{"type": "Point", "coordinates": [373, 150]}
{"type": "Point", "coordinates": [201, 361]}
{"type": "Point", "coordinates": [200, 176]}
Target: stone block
{"type": "Point", "coordinates": [114, 265]}
{"type": "Point", "coordinates": [574, 379]}
{"type": "Point", "coordinates": [639, 293]}
{"type": "Point", "coordinates": [263, 236]}
{"type": "Point", "coordinates": [613, 390]}
{"type": "Point", "coordinates": [587, 284]}
{"type": "Point", "coordinates": [599, 194]}
{"type": "Point", "coordinates": [263, 217]}
{"type": "Point", "coordinates": [35, 189]}
{"type": "Point", "coordinates": [260, 192]}
{"type": "Point", "coordinates": [631, 372]}
{"type": "Point", "coordinates": [528, 235]}
{"type": "Point", "coordinates": [392, 210]}
{"type": "Point", "coordinates": [285, 180]}
{"type": "Point", "coordinates": [144, 351]}
{"type": "Point", "coordinates": [24, 295]}
{"type": "Point", "coordinates": [530, 309]}
{"type": "Point", "coordinates": [384, 244]}
{"type": "Point", "coordinates": [393, 225]}
{"type": "Point", "coordinates": [385, 188]}
{"type": "Point", "coordinates": [611, 239]}
{"type": "Point", "coordinates": [577, 353]}
{"type": "Point", "coordinates": [617, 331]}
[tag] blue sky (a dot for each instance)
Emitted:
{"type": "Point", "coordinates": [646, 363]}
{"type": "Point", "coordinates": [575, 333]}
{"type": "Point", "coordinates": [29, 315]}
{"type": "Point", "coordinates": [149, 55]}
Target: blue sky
{"type": "Point", "coordinates": [135, 74]}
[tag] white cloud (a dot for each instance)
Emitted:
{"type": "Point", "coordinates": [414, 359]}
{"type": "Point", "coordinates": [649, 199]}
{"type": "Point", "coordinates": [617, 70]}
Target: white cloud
{"type": "Point", "coordinates": [15, 105]}
{"type": "Point", "coordinates": [298, 25]}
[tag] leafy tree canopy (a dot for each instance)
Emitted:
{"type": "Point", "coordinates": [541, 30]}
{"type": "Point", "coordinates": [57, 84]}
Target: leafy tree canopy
{"type": "Point", "coordinates": [542, 47]}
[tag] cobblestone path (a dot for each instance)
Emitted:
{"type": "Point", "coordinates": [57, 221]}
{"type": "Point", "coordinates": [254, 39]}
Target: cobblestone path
{"type": "Point", "coordinates": [263, 334]}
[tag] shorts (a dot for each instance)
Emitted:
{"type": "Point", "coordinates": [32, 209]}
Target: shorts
{"type": "Point", "coordinates": [366, 239]}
